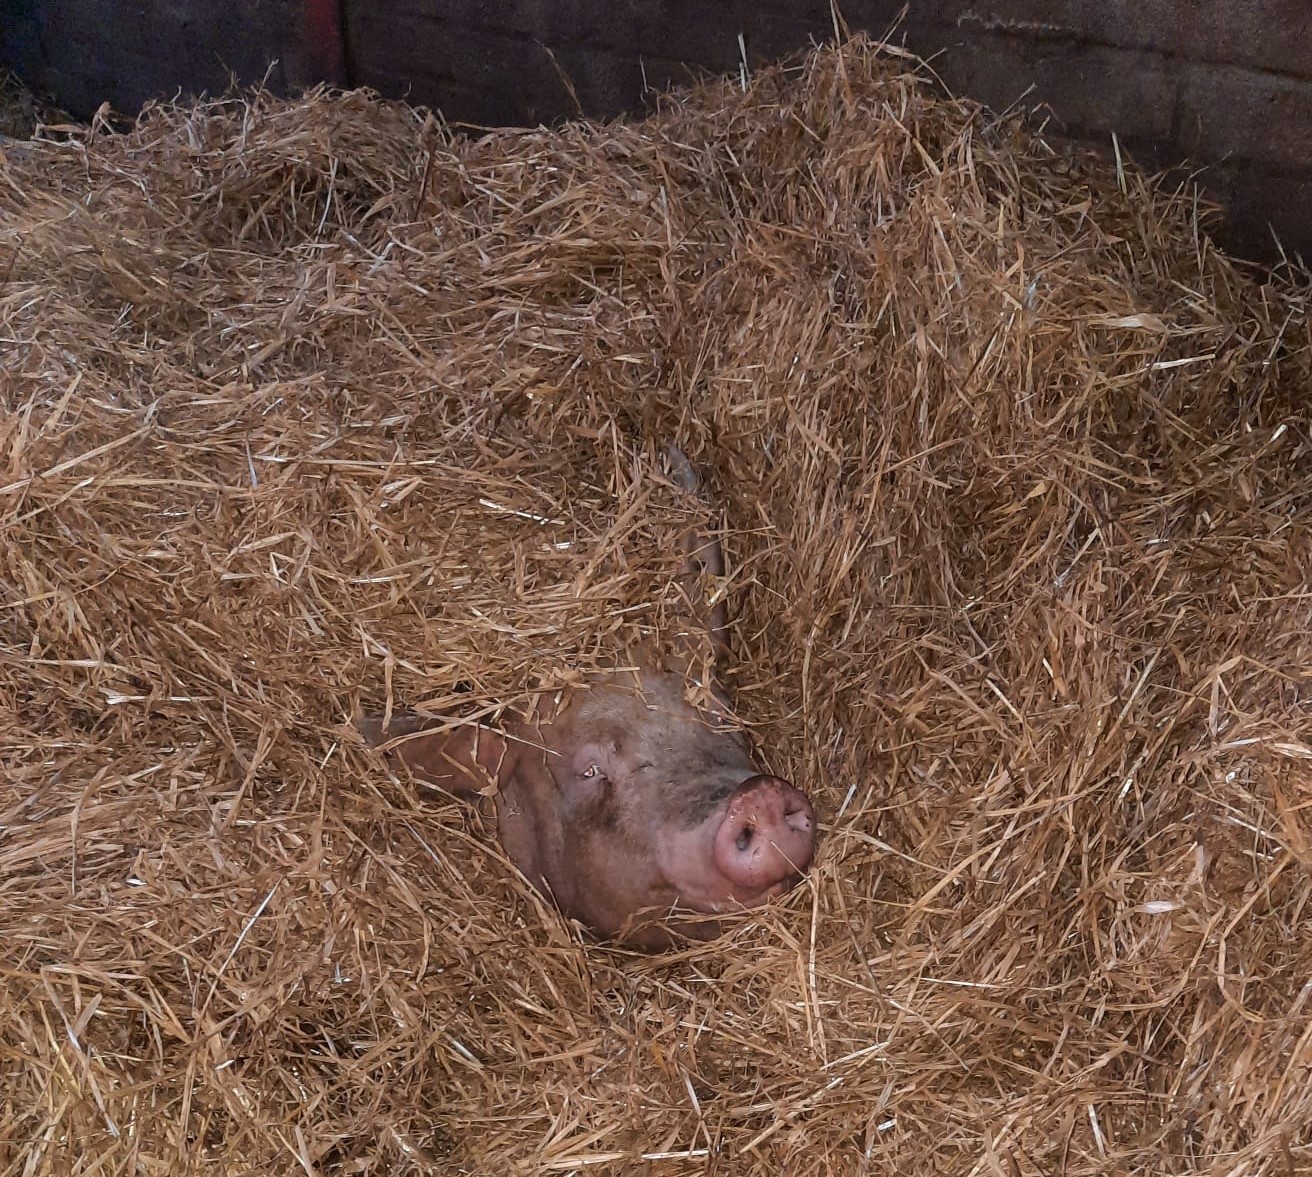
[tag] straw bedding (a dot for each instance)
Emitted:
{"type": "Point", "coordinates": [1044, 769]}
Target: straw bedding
{"type": "Point", "coordinates": [315, 405]}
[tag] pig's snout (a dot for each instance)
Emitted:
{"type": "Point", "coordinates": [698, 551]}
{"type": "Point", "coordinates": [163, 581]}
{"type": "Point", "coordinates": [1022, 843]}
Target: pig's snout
{"type": "Point", "coordinates": [767, 836]}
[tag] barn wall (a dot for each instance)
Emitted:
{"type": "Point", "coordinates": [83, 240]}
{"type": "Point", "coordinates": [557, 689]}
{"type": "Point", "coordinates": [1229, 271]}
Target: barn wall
{"type": "Point", "coordinates": [126, 52]}
{"type": "Point", "coordinates": [1223, 82]}
{"type": "Point", "coordinates": [1227, 83]}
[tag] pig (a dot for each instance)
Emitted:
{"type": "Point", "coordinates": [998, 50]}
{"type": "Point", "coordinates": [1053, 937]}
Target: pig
{"type": "Point", "coordinates": [639, 814]}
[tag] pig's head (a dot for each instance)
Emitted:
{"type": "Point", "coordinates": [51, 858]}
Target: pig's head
{"type": "Point", "coordinates": [631, 810]}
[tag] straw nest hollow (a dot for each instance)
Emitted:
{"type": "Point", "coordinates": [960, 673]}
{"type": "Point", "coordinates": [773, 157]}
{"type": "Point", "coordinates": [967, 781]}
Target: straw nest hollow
{"type": "Point", "coordinates": [316, 405]}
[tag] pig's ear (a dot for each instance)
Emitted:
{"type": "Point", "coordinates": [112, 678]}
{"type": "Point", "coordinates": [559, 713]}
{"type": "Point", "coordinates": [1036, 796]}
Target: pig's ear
{"type": "Point", "coordinates": [469, 760]}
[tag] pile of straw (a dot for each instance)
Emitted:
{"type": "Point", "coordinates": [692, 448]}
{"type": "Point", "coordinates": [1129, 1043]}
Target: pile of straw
{"type": "Point", "coordinates": [314, 405]}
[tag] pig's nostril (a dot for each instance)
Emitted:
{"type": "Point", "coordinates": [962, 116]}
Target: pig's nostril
{"type": "Point", "coordinates": [766, 838]}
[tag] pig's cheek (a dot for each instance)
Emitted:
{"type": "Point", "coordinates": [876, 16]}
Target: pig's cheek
{"type": "Point", "coordinates": [687, 861]}
{"type": "Point", "coordinates": [585, 802]}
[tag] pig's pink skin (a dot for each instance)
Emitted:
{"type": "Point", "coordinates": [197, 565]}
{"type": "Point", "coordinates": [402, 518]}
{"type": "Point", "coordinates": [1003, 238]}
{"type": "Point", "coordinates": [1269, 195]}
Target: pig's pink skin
{"type": "Point", "coordinates": [629, 808]}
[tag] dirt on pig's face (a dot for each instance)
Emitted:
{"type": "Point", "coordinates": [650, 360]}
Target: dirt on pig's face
{"type": "Point", "coordinates": [632, 811]}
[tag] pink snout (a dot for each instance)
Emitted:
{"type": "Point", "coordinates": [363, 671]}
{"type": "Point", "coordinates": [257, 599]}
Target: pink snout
{"type": "Point", "coordinates": [767, 837]}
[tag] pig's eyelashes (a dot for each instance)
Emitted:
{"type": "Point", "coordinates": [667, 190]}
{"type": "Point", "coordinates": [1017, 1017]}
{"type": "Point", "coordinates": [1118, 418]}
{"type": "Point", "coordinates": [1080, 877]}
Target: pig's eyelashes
{"type": "Point", "coordinates": [592, 780]}
{"type": "Point", "coordinates": [586, 792]}
{"type": "Point", "coordinates": [587, 779]}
